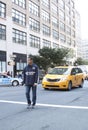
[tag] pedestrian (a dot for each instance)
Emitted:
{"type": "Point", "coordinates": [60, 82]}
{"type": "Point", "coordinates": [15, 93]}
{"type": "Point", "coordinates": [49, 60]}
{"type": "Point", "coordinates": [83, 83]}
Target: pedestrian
{"type": "Point", "coordinates": [30, 78]}
{"type": "Point", "coordinates": [8, 73]}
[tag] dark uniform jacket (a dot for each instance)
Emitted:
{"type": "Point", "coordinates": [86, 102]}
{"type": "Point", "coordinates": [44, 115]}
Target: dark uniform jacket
{"type": "Point", "coordinates": [30, 74]}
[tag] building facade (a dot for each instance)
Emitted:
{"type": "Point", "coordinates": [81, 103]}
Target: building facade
{"type": "Point", "coordinates": [28, 25]}
{"type": "Point", "coordinates": [84, 49]}
{"type": "Point", "coordinates": [78, 35]}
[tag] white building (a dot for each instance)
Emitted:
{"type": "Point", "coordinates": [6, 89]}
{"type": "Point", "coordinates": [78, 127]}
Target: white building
{"type": "Point", "coordinates": [27, 25]}
{"type": "Point", "coordinates": [84, 49]}
{"type": "Point", "coordinates": [78, 35]}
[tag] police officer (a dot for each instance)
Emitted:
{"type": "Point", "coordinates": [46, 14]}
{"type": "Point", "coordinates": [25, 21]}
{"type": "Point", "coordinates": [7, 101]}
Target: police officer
{"type": "Point", "coordinates": [30, 78]}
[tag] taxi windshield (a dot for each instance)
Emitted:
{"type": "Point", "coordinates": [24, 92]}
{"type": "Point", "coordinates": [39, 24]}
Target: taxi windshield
{"type": "Point", "coordinates": [59, 71]}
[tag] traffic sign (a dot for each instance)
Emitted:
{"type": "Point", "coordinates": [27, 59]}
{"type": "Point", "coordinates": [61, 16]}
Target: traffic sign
{"type": "Point", "coordinates": [11, 63]}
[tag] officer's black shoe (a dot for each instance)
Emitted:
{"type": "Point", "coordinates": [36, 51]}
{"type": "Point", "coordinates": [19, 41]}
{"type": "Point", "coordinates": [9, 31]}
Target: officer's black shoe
{"type": "Point", "coordinates": [28, 106]}
{"type": "Point", "coordinates": [33, 105]}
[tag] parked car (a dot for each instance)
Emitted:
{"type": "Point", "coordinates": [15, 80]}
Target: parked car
{"type": "Point", "coordinates": [6, 80]}
{"type": "Point", "coordinates": [63, 77]}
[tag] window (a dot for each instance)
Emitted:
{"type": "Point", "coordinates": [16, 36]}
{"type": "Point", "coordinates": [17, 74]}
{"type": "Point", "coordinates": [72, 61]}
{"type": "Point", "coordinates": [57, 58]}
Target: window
{"type": "Point", "coordinates": [34, 25]}
{"type": "Point", "coordinates": [45, 16]}
{"type": "Point", "coordinates": [62, 4]}
{"type": "Point", "coordinates": [73, 33]}
{"type": "Point", "coordinates": [67, 9]}
{"type": "Point", "coordinates": [68, 2]}
{"type": "Point", "coordinates": [46, 3]}
{"type": "Point", "coordinates": [55, 34]}
{"type": "Point", "coordinates": [2, 32]}
{"type": "Point", "coordinates": [33, 8]}
{"type": "Point", "coordinates": [55, 45]}
{"type": "Point", "coordinates": [73, 23]}
{"type": "Point", "coordinates": [56, 1]}
{"type": "Point", "coordinates": [62, 26]}
{"type": "Point", "coordinates": [72, 4]}
{"type": "Point", "coordinates": [73, 14]}
{"type": "Point", "coordinates": [73, 71]}
{"type": "Point", "coordinates": [54, 22]}
{"type": "Point", "coordinates": [2, 66]}
{"type": "Point", "coordinates": [20, 66]}
{"type": "Point", "coordinates": [46, 30]}
{"type": "Point", "coordinates": [79, 70]}
{"type": "Point", "coordinates": [68, 40]}
{"type": "Point", "coordinates": [21, 3]}
{"type": "Point", "coordinates": [68, 30]}
{"type": "Point", "coordinates": [68, 20]}
{"type": "Point", "coordinates": [62, 38]}
{"type": "Point", "coordinates": [61, 15]}
{"type": "Point", "coordinates": [46, 43]}
{"type": "Point", "coordinates": [19, 37]}
{"type": "Point", "coordinates": [18, 17]}
{"type": "Point", "coordinates": [2, 10]}
{"type": "Point", "coordinates": [73, 43]}
{"type": "Point", "coordinates": [54, 8]}
{"type": "Point", "coordinates": [34, 41]}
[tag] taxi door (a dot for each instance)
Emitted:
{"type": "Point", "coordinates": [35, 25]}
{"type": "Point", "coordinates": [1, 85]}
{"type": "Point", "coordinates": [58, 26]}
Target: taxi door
{"type": "Point", "coordinates": [79, 76]}
{"type": "Point", "coordinates": [74, 77]}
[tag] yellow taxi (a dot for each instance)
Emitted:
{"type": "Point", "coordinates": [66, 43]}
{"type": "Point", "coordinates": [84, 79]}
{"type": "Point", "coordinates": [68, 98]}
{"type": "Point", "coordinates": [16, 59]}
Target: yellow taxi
{"type": "Point", "coordinates": [63, 77]}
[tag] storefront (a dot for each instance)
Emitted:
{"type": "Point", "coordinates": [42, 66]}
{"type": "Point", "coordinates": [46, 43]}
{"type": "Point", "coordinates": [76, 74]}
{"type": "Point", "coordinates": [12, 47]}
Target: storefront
{"type": "Point", "coordinates": [20, 63]}
{"type": "Point", "coordinates": [3, 67]}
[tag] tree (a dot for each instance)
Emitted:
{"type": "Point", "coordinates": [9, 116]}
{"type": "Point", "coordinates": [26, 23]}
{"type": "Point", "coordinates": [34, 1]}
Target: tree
{"type": "Point", "coordinates": [42, 62]}
{"type": "Point", "coordinates": [86, 62]}
{"type": "Point", "coordinates": [56, 56]}
{"type": "Point", "coordinates": [79, 61]}
{"type": "Point", "coordinates": [60, 55]}
{"type": "Point", "coordinates": [50, 57]}
{"type": "Point", "coordinates": [71, 54]}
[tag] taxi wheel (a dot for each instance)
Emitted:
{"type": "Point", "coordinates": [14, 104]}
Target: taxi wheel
{"type": "Point", "coordinates": [69, 86]}
{"type": "Point", "coordinates": [15, 83]}
{"type": "Point", "coordinates": [81, 85]}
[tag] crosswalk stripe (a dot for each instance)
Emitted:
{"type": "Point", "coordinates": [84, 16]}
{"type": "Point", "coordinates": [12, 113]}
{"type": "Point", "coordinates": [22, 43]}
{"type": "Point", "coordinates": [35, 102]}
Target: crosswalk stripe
{"type": "Point", "coordinates": [46, 105]}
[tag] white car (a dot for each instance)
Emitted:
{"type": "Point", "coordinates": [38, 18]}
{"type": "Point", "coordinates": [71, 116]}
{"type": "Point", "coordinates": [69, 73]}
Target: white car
{"type": "Point", "coordinates": [6, 80]}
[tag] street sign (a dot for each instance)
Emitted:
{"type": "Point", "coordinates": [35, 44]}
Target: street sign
{"type": "Point", "coordinates": [11, 63]}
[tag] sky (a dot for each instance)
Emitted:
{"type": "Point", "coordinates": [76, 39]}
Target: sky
{"type": "Point", "coordinates": [82, 7]}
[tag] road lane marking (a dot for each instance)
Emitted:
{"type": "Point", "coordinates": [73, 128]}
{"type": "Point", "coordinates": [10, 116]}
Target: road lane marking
{"type": "Point", "coordinates": [46, 105]}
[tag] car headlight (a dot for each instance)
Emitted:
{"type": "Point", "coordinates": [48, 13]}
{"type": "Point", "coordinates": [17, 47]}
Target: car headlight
{"type": "Point", "coordinates": [45, 78]}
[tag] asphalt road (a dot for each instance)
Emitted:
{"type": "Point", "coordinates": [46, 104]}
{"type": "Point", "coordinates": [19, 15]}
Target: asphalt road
{"type": "Point", "coordinates": [55, 110]}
